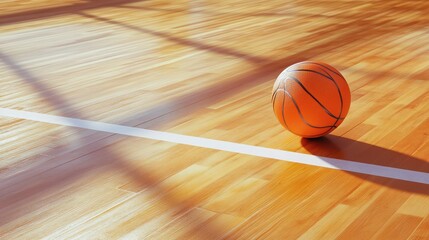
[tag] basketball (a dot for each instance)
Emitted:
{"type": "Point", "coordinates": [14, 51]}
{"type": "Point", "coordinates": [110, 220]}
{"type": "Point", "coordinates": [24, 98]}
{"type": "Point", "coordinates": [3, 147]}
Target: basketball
{"type": "Point", "coordinates": [311, 99]}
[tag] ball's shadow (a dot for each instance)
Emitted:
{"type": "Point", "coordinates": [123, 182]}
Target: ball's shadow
{"type": "Point", "coordinates": [351, 150]}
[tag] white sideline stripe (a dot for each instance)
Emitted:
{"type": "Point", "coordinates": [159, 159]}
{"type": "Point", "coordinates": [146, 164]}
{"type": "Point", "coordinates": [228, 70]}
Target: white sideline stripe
{"type": "Point", "coordinates": [325, 162]}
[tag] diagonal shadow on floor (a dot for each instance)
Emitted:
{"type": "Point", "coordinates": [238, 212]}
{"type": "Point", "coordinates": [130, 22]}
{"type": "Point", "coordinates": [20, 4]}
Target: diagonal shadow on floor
{"type": "Point", "coordinates": [32, 15]}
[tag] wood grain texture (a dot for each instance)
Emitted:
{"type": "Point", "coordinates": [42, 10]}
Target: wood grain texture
{"type": "Point", "coordinates": [206, 68]}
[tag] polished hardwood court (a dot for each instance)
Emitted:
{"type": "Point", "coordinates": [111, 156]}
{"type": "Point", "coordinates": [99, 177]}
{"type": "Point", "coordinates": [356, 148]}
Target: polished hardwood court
{"type": "Point", "coordinates": [206, 68]}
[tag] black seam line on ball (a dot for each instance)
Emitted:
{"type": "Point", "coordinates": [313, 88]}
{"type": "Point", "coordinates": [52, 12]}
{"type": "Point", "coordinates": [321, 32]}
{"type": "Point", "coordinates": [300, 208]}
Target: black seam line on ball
{"type": "Point", "coordinates": [273, 96]}
{"type": "Point", "coordinates": [341, 98]}
{"type": "Point", "coordinates": [313, 71]}
{"type": "Point", "coordinates": [300, 113]}
{"type": "Point", "coordinates": [315, 99]}
{"type": "Point", "coordinates": [274, 92]}
{"type": "Point", "coordinates": [338, 88]}
{"type": "Point", "coordinates": [273, 100]}
{"type": "Point", "coordinates": [329, 77]}
{"type": "Point", "coordinates": [283, 105]}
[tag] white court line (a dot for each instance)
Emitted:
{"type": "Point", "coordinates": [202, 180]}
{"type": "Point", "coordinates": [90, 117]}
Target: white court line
{"type": "Point", "coordinates": [371, 169]}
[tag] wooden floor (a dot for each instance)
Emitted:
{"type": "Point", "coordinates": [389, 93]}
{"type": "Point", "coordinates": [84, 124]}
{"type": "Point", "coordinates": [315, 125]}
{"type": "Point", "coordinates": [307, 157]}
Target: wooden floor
{"type": "Point", "coordinates": [206, 68]}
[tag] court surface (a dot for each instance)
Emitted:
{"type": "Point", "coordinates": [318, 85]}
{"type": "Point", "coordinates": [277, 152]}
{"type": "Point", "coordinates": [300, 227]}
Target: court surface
{"type": "Point", "coordinates": [136, 119]}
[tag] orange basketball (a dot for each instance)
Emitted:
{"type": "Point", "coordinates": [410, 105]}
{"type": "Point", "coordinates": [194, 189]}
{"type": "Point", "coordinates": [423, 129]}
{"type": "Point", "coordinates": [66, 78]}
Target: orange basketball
{"type": "Point", "coordinates": [311, 99]}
